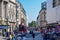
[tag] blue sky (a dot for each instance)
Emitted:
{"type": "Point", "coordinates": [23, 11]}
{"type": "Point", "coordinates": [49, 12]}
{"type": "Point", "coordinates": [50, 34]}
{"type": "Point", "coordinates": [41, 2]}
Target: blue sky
{"type": "Point", "coordinates": [32, 8]}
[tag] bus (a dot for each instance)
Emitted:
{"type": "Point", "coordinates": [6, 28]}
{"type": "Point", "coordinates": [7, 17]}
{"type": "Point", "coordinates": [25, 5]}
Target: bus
{"type": "Point", "coordinates": [22, 28]}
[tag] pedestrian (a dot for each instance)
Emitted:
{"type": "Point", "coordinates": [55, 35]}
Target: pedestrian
{"type": "Point", "coordinates": [33, 35]}
{"type": "Point", "coordinates": [48, 34]}
{"type": "Point", "coordinates": [24, 38]}
{"type": "Point", "coordinates": [13, 38]}
{"type": "Point", "coordinates": [10, 36]}
{"type": "Point", "coordinates": [45, 34]}
{"type": "Point", "coordinates": [53, 34]}
{"type": "Point", "coordinates": [7, 35]}
{"type": "Point", "coordinates": [3, 34]}
{"type": "Point", "coordinates": [58, 33]}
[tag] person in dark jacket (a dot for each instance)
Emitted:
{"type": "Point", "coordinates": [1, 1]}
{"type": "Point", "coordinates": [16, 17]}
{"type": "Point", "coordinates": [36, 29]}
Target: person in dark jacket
{"type": "Point", "coordinates": [33, 35]}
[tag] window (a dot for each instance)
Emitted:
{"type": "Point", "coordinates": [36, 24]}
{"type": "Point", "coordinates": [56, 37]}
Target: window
{"type": "Point", "coordinates": [0, 9]}
{"type": "Point", "coordinates": [5, 9]}
{"type": "Point", "coordinates": [59, 2]}
{"type": "Point", "coordinates": [10, 11]}
{"type": "Point", "coordinates": [54, 3]}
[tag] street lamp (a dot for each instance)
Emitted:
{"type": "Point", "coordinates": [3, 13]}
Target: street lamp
{"type": "Point", "coordinates": [7, 23]}
{"type": "Point", "coordinates": [16, 16]}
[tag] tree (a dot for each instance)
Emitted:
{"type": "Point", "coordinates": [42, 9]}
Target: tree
{"type": "Point", "coordinates": [32, 24]}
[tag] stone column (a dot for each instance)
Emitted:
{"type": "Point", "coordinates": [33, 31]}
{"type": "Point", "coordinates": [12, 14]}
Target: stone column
{"type": "Point", "coordinates": [2, 12]}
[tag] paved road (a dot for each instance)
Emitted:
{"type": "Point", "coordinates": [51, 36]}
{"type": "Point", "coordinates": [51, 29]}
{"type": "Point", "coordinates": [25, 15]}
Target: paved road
{"type": "Point", "coordinates": [29, 37]}
{"type": "Point", "coordinates": [37, 36]}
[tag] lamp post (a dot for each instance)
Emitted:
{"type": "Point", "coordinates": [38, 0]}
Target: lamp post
{"type": "Point", "coordinates": [16, 17]}
{"type": "Point", "coordinates": [7, 22]}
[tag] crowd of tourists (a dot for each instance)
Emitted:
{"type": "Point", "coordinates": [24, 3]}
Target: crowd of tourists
{"type": "Point", "coordinates": [51, 33]}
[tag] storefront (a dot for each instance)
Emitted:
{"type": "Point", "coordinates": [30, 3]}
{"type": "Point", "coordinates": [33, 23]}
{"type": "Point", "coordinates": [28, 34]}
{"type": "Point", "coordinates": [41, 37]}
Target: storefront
{"type": "Point", "coordinates": [3, 29]}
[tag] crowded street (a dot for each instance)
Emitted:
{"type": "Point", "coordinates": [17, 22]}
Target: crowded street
{"type": "Point", "coordinates": [28, 37]}
{"type": "Point", "coordinates": [29, 19]}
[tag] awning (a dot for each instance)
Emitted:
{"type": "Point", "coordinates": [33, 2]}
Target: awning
{"type": "Point", "coordinates": [4, 27]}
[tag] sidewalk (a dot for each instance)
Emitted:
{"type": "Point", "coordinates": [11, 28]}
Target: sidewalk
{"type": "Point", "coordinates": [2, 38]}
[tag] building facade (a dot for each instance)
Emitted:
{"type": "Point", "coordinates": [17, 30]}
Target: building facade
{"type": "Point", "coordinates": [12, 14]}
{"type": "Point", "coordinates": [18, 13]}
{"type": "Point", "coordinates": [53, 11]}
{"type": "Point", "coordinates": [21, 14]}
{"type": "Point", "coordinates": [3, 11]}
{"type": "Point", "coordinates": [8, 13]}
{"type": "Point", "coordinates": [4, 15]}
{"type": "Point", "coordinates": [38, 21]}
{"type": "Point", "coordinates": [41, 19]}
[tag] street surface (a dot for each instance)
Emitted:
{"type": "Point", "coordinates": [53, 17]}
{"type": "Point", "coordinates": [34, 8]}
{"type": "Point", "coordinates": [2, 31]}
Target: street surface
{"type": "Point", "coordinates": [2, 38]}
{"type": "Point", "coordinates": [28, 37]}
{"type": "Point", "coordinates": [37, 37]}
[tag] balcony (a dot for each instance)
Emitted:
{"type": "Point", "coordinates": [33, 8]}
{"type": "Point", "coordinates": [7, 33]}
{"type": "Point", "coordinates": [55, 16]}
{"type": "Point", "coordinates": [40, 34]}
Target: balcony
{"type": "Point", "coordinates": [12, 1]}
{"type": "Point", "coordinates": [6, 0]}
